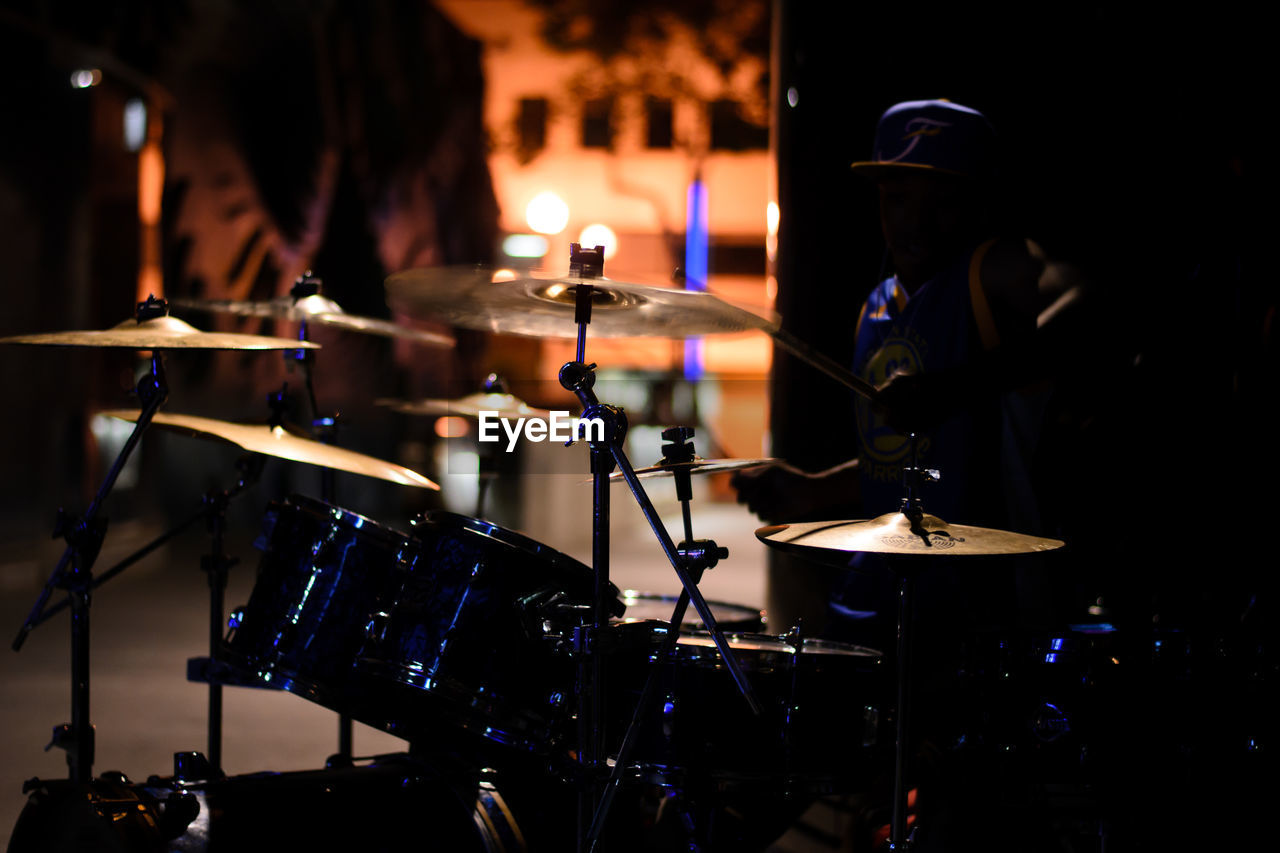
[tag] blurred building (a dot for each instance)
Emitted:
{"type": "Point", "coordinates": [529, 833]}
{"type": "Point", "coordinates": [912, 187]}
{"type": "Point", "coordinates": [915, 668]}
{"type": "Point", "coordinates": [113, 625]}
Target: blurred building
{"type": "Point", "coordinates": [648, 146]}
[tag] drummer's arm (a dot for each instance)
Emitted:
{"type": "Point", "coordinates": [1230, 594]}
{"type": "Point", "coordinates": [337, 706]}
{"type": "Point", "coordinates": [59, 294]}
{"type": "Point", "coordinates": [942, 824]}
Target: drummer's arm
{"type": "Point", "coordinates": [783, 493]}
{"type": "Point", "coordinates": [1005, 292]}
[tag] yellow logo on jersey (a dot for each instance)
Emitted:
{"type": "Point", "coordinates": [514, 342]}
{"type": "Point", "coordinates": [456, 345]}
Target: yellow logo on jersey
{"type": "Point", "coordinates": [880, 442]}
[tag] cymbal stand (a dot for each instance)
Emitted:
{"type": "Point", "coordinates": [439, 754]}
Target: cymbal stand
{"type": "Point", "coordinates": [606, 452]}
{"type": "Point", "coordinates": [486, 464]}
{"type": "Point", "coordinates": [74, 571]}
{"type": "Point", "coordinates": [216, 563]}
{"type": "Point", "coordinates": [698, 556]}
{"type": "Point", "coordinates": [325, 429]}
{"type": "Point", "coordinates": [912, 508]}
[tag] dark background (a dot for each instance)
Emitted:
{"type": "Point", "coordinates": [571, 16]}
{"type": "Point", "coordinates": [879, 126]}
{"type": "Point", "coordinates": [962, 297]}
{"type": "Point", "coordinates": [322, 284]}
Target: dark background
{"type": "Point", "coordinates": [1131, 152]}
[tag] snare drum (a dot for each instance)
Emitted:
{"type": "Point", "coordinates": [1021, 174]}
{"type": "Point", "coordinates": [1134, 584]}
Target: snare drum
{"type": "Point", "coordinates": [821, 712]}
{"type": "Point", "coordinates": [473, 631]}
{"type": "Point", "coordinates": [648, 606]}
{"type": "Point", "coordinates": [323, 571]}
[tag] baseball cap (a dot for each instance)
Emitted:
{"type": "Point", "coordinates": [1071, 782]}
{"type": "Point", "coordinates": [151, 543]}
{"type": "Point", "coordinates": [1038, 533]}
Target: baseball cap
{"type": "Point", "coordinates": [932, 135]}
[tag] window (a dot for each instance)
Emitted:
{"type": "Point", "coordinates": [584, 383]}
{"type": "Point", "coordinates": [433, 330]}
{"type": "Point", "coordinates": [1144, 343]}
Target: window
{"type": "Point", "coordinates": [660, 123]}
{"type": "Point", "coordinates": [731, 132]}
{"type": "Point", "coordinates": [597, 123]}
{"type": "Point", "coordinates": [531, 128]}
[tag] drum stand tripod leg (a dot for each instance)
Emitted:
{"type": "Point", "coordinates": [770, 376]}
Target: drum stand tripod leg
{"type": "Point", "coordinates": [698, 556]}
{"type": "Point", "coordinates": [898, 840]}
{"type": "Point", "coordinates": [216, 565]}
{"type": "Point", "coordinates": [579, 378]}
{"type": "Point", "coordinates": [913, 477]}
{"type": "Point", "coordinates": [591, 670]}
{"type": "Point", "coordinates": [75, 572]}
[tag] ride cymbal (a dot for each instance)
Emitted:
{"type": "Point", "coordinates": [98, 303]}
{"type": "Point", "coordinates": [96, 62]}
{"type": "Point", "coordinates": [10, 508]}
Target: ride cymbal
{"type": "Point", "coordinates": [315, 309]}
{"type": "Point", "coordinates": [470, 406]}
{"type": "Point", "coordinates": [282, 444]}
{"type": "Point", "coordinates": [895, 533]}
{"type": "Point", "coordinates": [158, 333]}
{"type": "Point", "coordinates": [543, 306]}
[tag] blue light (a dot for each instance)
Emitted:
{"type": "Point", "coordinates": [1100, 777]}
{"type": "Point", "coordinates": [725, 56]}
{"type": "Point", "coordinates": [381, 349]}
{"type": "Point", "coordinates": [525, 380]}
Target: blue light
{"type": "Point", "coordinates": [1051, 657]}
{"type": "Point", "coordinates": [696, 242]}
{"type": "Point", "coordinates": [1056, 644]}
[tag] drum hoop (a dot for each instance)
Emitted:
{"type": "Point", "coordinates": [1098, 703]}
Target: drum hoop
{"type": "Point", "coordinates": [496, 533]}
{"type": "Point", "coordinates": [628, 596]}
{"type": "Point", "coordinates": [773, 643]}
{"type": "Point", "coordinates": [365, 525]}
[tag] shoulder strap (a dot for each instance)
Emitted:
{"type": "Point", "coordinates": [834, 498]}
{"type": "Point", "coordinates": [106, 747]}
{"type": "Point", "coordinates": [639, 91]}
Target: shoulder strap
{"type": "Point", "coordinates": [978, 298]}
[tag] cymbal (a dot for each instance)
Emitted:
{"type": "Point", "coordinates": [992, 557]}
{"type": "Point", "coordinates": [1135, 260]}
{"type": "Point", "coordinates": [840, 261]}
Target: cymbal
{"type": "Point", "coordinates": [280, 443]}
{"type": "Point", "coordinates": [542, 306]}
{"type": "Point", "coordinates": [316, 309]}
{"type": "Point", "coordinates": [697, 465]}
{"type": "Point", "coordinates": [894, 534]}
{"type": "Point", "coordinates": [470, 406]}
{"type": "Point", "coordinates": [159, 333]}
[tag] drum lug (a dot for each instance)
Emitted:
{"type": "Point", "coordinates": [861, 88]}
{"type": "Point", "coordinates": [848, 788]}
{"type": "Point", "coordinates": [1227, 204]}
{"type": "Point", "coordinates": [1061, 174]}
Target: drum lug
{"type": "Point", "coordinates": [586, 640]}
{"type": "Point", "coordinates": [375, 630]}
{"type": "Point", "coordinates": [192, 767]}
{"type": "Point", "coordinates": [703, 554]}
{"type": "Point", "coordinates": [234, 621]}
{"type": "Point", "coordinates": [870, 725]}
{"type": "Point", "coordinates": [545, 612]}
{"type": "Point", "coordinates": [670, 707]}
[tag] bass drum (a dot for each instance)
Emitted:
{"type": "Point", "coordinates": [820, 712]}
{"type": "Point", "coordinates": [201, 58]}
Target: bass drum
{"type": "Point", "coordinates": [475, 632]}
{"type": "Point", "coordinates": [324, 570]}
{"type": "Point", "coordinates": [394, 805]}
{"type": "Point", "coordinates": [821, 712]}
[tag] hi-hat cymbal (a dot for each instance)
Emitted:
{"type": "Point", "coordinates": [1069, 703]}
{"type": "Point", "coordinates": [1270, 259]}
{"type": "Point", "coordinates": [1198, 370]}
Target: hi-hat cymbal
{"type": "Point", "coordinates": [538, 306]}
{"type": "Point", "coordinates": [160, 333]}
{"type": "Point", "coordinates": [280, 443]}
{"type": "Point", "coordinates": [894, 533]}
{"type": "Point", "coordinates": [315, 309]}
{"type": "Point", "coordinates": [697, 465]}
{"type": "Point", "coordinates": [470, 406]}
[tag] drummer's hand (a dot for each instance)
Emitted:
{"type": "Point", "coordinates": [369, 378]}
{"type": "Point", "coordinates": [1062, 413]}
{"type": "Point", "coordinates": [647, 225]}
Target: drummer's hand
{"type": "Point", "coordinates": [916, 402]}
{"type": "Point", "coordinates": [782, 492]}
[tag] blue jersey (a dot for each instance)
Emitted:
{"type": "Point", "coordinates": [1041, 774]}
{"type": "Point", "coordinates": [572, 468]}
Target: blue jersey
{"type": "Point", "coordinates": [945, 324]}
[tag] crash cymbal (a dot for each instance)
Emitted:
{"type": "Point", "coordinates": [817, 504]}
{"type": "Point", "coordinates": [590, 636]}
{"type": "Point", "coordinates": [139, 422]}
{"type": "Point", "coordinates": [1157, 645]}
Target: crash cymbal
{"type": "Point", "coordinates": [697, 465]}
{"type": "Point", "coordinates": [279, 442]}
{"type": "Point", "coordinates": [470, 406]}
{"type": "Point", "coordinates": [315, 309]}
{"type": "Point", "coordinates": [158, 333]}
{"type": "Point", "coordinates": [894, 533]}
{"type": "Point", "coordinates": [543, 306]}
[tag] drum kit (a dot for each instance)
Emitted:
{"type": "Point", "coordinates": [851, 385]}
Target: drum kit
{"type": "Point", "coordinates": [506, 665]}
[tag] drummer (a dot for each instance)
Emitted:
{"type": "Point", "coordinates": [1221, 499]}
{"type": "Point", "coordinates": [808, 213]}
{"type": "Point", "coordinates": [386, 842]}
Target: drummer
{"type": "Point", "coordinates": [942, 338]}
